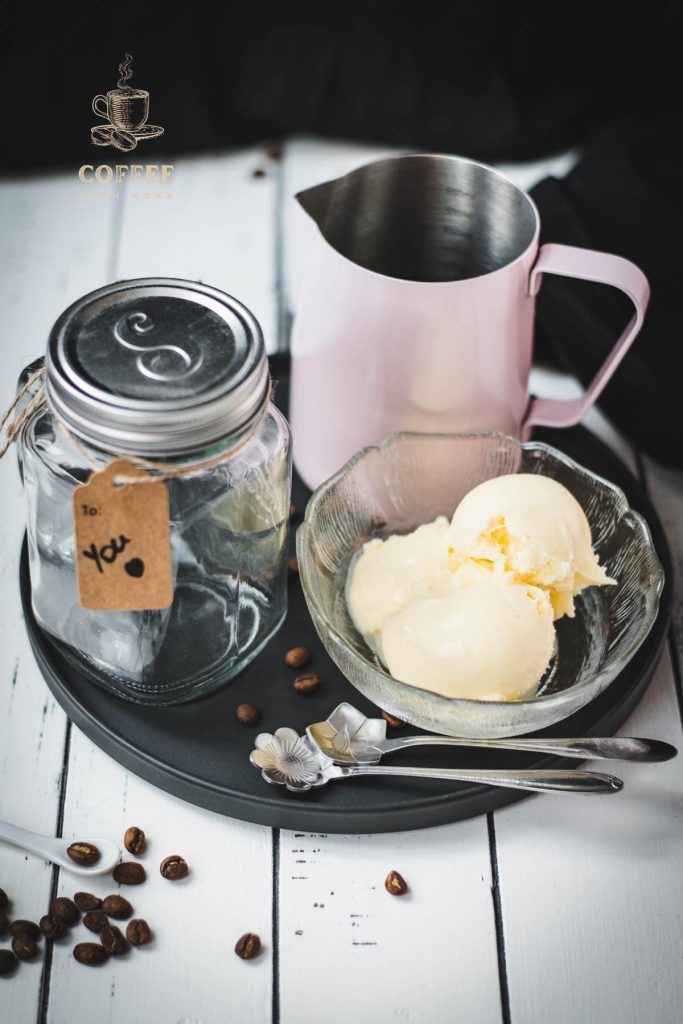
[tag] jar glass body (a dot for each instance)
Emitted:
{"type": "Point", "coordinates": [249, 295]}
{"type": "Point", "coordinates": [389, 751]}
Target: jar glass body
{"type": "Point", "coordinates": [229, 524]}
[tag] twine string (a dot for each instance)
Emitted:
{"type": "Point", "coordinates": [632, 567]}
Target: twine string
{"type": "Point", "coordinates": [161, 470]}
{"type": "Point", "coordinates": [14, 428]}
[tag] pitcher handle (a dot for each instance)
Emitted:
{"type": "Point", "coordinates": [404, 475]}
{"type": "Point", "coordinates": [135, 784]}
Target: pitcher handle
{"type": "Point", "coordinates": [604, 268]}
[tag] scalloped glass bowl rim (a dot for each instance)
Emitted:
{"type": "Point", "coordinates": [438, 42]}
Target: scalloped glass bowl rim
{"type": "Point", "coordinates": [598, 681]}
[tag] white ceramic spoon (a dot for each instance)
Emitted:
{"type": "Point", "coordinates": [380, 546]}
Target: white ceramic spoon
{"type": "Point", "coordinates": [55, 849]}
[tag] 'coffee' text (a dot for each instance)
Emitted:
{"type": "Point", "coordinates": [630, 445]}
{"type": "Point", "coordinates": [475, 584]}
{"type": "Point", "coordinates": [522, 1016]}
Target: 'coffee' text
{"type": "Point", "coordinates": [117, 172]}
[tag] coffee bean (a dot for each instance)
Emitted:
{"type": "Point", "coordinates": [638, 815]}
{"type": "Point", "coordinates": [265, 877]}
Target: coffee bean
{"type": "Point", "coordinates": [134, 840]}
{"type": "Point", "coordinates": [307, 683]}
{"type": "Point", "coordinates": [25, 947]}
{"type": "Point", "coordinates": [248, 946]}
{"type": "Point", "coordinates": [29, 928]}
{"type": "Point", "coordinates": [293, 564]}
{"type": "Point", "coordinates": [4, 900]}
{"type": "Point", "coordinates": [395, 723]}
{"type": "Point", "coordinates": [395, 884]}
{"type": "Point", "coordinates": [8, 962]}
{"type": "Point", "coordinates": [86, 901]}
{"type": "Point", "coordinates": [83, 853]}
{"type": "Point", "coordinates": [52, 927]}
{"type": "Point", "coordinates": [66, 910]}
{"type": "Point", "coordinates": [138, 932]}
{"type": "Point", "coordinates": [95, 921]}
{"type": "Point", "coordinates": [297, 657]}
{"type": "Point", "coordinates": [129, 872]}
{"type": "Point", "coordinates": [4, 922]}
{"type": "Point", "coordinates": [174, 867]}
{"type": "Point", "coordinates": [248, 714]}
{"type": "Point", "coordinates": [113, 940]}
{"type": "Point", "coordinates": [118, 907]}
{"type": "Point", "coordinates": [123, 140]}
{"type": "Point", "coordinates": [92, 954]}
{"type": "Point", "coordinates": [100, 135]}
{"type": "Point", "coordinates": [293, 512]}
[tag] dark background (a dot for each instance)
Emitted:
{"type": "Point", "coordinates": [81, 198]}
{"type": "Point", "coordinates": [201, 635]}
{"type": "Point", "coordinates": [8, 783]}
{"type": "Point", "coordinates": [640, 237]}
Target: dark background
{"type": "Point", "coordinates": [497, 82]}
{"type": "Point", "coordinates": [493, 81]}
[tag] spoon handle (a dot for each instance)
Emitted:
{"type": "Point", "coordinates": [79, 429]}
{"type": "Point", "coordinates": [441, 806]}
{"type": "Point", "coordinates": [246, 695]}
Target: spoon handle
{"type": "Point", "coordinates": [538, 781]}
{"type": "Point", "coordinates": [26, 840]}
{"type": "Point", "coordinates": [618, 748]}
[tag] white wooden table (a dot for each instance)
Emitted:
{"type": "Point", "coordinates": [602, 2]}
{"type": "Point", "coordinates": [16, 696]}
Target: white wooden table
{"type": "Point", "coordinates": [556, 909]}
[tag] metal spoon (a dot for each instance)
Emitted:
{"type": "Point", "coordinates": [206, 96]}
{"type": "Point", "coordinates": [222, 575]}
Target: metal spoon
{"type": "Point", "coordinates": [348, 737]}
{"type": "Point", "coordinates": [287, 759]}
{"type": "Point", "coordinates": [55, 849]}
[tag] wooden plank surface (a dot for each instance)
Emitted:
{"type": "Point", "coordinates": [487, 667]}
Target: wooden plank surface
{"type": "Point", "coordinates": [42, 220]}
{"type": "Point", "coordinates": [346, 944]}
{"type": "Point", "coordinates": [189, 972]}
{"type": "Point", "coordinates": [448, 868]}
{"type": "Point", "coordinates": [218, 227]}
{"type": "Point", "coordinates": [592, 890]}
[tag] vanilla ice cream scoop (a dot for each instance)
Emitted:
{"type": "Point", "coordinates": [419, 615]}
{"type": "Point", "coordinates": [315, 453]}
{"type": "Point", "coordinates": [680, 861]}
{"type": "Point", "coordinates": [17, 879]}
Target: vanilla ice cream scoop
{"type": "Point", "coordinates": [388, 573]}
{"type": "Point", "coordinates": [485, 637]}
{"type": "Point", "coordinates": [532, 527]}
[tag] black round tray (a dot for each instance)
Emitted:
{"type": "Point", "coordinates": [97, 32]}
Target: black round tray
{"type": "Point", "coordinates": [200, 752]}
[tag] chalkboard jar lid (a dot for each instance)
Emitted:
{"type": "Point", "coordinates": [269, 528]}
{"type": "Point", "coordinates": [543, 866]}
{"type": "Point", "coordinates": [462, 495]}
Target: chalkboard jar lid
{"type": "Point", "coordinates": [156, 366]}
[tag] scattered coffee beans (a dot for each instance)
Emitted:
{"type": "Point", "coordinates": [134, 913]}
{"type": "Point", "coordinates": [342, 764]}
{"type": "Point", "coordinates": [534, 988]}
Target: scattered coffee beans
{"type": "Point", "coordinates": [138, 932]}
{"type": "Point", "coordinates": [174, 867]}
{"type": "Point", "coordinates": [297, 657]}
{"type": "Point", "coordinates": [248, 714]}
{"type": "Point", "coordinates": [293, 564]}
{"type": "Point", "coordinates": [29, 928]}
{"type": "Point", "coordinates": [113, 940]}
{"type": "Point", "coordinates": [391, 720]}
{"type": "Point", "coordinates": [8, 962]}
{"type": "Point", "coordinates": [83, 853]}
{"type": "Point", "coordinates": [90, 953]}
{"type": "Point", "coordinates": [248, 946]}
{"type": "Point", "coordinates": [118, 907]}
{"type": "Point", "coordinates": [52, 927]}
{"type": "Point", "coordinates": [129, 872]}
{"type": "Point", "coordinates": [134, 840]}
{"type": "Point", "coordinates": [95, 921]}
{"type": "Point", "coordinates": [25, 946]}
{"type": "Point", "coordinates": [307, 683]}
{"type": "Point", "coordinates": [86, 901]}
{"type": "Point", "coordinates": [65, 910]}
{"type": "Point", "coordinates": [395, 884]}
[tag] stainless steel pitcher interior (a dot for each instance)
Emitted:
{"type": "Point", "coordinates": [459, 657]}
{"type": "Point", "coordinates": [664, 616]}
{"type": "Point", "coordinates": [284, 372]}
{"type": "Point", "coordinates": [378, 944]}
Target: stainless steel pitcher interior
{"type": "Point", "coordinates": [424, 217]}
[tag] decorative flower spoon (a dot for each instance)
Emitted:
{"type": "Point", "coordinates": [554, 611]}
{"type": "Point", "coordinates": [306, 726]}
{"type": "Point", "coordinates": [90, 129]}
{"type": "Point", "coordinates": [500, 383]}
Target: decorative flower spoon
{"type": "Point", "coordinates": [287, 759]}
{"type": "Point", "coordinates": [55, 850]}
{"type": "Point", "coordinates": [348, 737]}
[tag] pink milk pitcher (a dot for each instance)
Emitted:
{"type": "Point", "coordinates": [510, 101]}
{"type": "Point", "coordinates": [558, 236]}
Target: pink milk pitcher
{"type": "Point", "coordinates": [414, 308]}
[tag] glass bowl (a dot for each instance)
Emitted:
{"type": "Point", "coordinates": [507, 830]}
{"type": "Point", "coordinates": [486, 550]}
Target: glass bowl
{"type": "Point", "coordinates": [413, 478]}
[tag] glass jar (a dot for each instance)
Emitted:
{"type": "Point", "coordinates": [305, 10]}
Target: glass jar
{"type": "Point", "coordinates": [172, 372]}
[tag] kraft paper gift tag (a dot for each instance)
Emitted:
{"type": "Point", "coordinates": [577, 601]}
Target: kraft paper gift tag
{"type": "Point", "coordinates": [123, 541]}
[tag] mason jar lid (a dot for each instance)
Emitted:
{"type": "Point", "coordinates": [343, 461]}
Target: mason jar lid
{"type": "Point", "coordinates": [156, 366]}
